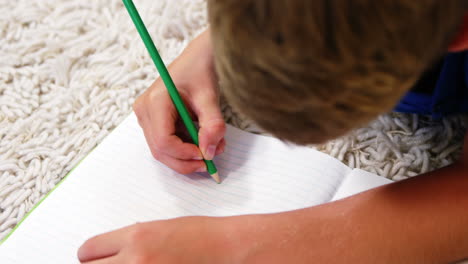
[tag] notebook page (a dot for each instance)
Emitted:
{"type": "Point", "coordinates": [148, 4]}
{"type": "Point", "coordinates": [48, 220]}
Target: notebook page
{"type": "Point", "coordinates": [358, 181]}
{"type": "Point", "coordinates": [120, 184]}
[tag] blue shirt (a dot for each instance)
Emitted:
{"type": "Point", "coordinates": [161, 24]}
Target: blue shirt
{"type": "Point", "coordinates": [446, 89]}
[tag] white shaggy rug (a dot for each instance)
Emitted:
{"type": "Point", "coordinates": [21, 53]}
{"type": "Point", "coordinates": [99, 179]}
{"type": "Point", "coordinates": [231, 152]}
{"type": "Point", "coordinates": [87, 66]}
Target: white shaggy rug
{"type": "Point", "coordinates": [70, 70]}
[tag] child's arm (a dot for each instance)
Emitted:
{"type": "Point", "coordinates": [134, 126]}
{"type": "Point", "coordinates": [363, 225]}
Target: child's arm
{"type": "Point", "coordinates": [420, 220]}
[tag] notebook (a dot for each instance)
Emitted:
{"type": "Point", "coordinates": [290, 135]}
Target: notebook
{"type": "Point", "coordinates": [120, 183]}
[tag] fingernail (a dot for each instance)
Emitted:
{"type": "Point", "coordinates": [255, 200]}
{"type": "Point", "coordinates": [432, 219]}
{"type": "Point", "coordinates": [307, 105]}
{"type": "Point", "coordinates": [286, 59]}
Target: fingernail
{"type": "Point", "coordinates": [202, 169]}
{"type": "Point", "coordinates": [210, 152]}
{"type": "Point", "coordinates": [198, 158]}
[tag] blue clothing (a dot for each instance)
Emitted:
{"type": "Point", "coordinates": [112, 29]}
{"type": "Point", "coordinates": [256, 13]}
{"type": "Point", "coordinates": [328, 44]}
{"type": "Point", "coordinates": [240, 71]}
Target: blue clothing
{"type": "Point", "coordinates": [441, 91]}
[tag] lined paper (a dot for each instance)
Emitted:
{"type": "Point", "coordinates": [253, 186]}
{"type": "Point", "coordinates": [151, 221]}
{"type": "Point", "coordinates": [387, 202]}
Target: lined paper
{"type": "Point", "coordinates": [120, 184]}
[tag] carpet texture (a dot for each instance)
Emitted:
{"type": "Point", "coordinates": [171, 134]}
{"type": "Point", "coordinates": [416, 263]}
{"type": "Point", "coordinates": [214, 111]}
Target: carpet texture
{"type": "Point", "coordinates": [70, 71]}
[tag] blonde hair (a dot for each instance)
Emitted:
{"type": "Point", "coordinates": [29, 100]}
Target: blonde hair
{"type": "Point", "coordinates": [309, 71]}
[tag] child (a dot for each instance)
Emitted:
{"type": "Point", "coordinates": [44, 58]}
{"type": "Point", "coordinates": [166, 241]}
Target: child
{"type": "Point", "coordinates": [309, 71]}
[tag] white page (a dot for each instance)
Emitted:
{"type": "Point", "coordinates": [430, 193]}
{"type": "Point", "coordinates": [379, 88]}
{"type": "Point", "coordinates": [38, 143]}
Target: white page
{"type": "Point", "coordinates": [120, 184]}
{"type": "Point", "coordinates": [358, 181]}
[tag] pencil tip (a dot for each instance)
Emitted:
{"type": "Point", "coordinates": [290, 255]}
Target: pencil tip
{"type": "Point", "coordinates": [215, 176]}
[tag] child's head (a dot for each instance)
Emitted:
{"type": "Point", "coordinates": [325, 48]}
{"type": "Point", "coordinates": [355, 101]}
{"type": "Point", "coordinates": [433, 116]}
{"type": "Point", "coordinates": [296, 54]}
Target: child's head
{"type": "Point", "coordinates": [308, 71]}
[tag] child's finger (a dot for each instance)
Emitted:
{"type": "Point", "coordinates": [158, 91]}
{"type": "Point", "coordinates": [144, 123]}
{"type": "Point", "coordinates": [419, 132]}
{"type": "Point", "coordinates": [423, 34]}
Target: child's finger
{"type": "Point", "coordinates": [157, 116]}
{"type": "Point", "coordinates": [221, 147]}
{"type": "Point", "coordinates": [102, 246]}
{"type": "Point", "coordinates": [212, 125]}
{"type": "Point", "coordinates": [182, 166]}
{"type": "Point", "coordinates": [174, 146]}
{"type": "Point", "coordinates": [163, 129]}
{"type": "Point", "coordinates": [111, 260]}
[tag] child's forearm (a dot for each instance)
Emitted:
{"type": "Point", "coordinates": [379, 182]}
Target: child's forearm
{"type": "Point", "coordinates": [420, 220]}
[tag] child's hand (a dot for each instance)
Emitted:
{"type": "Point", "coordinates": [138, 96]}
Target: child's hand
{"type": "Point", "coordinates": [193, 74]}
{"type": "Point", "coordinates": [182, 240]}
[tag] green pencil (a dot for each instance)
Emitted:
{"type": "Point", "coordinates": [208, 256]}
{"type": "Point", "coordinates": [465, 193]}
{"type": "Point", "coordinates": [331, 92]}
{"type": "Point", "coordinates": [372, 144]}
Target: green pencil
{"type": "Point", "coordinates": [174, 94]}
